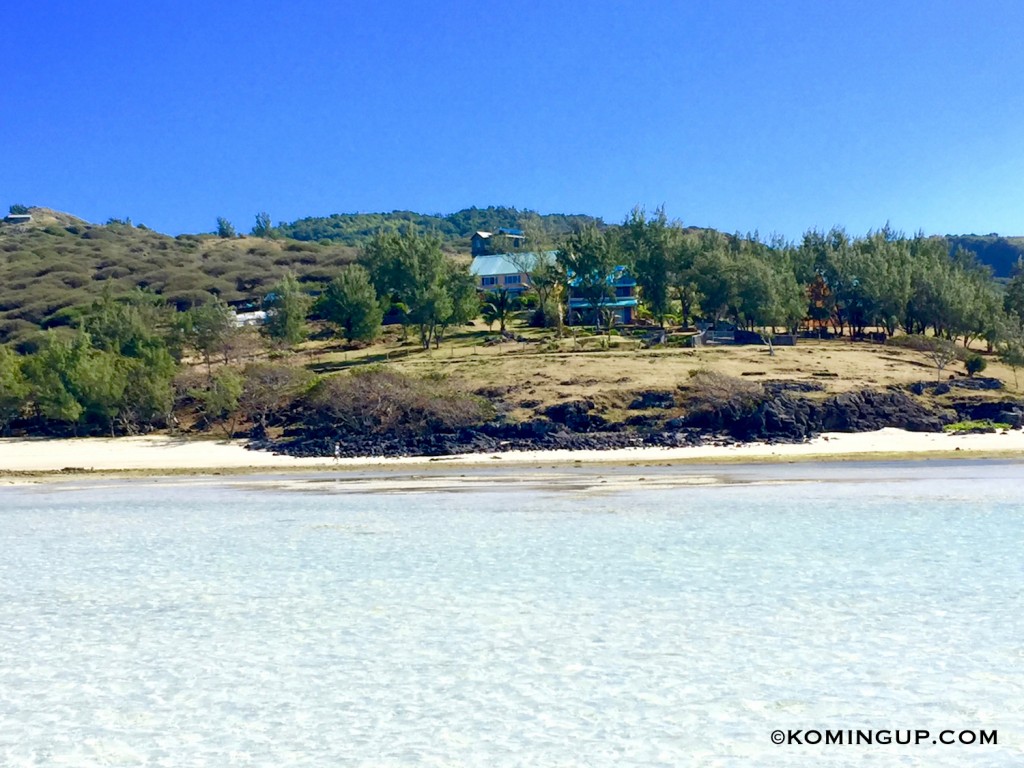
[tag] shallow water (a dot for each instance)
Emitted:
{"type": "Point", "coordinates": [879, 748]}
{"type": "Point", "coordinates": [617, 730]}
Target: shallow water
{"type": "Point", "coordinates": [551, 623]}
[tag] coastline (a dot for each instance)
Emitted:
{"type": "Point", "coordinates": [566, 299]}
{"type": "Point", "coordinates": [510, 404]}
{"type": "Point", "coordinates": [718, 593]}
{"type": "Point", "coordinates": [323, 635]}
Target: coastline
{"type": "Point", "coordinates": [37, 458]}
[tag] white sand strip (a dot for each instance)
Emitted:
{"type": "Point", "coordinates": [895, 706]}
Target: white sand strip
{"type": "Point", "coordinates": [155, 453]}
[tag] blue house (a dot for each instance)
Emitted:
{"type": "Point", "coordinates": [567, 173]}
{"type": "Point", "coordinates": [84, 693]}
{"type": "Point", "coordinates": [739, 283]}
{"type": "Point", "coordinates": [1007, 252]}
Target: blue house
{"type": "Point", "coordinates": [622, 306]}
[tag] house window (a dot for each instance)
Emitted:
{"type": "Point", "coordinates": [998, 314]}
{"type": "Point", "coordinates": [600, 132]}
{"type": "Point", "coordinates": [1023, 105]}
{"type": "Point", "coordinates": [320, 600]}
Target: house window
{"type": "Point", "coordinates": [512, 279]}
{"type": "Point", "coordinates": [623, 291]}
{"type": "Point", "coordinates": [485, 281]}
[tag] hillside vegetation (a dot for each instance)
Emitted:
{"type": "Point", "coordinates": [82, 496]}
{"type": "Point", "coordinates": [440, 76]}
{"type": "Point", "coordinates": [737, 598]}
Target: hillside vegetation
{"type": "Point", "coordinates": [59, 264]}
{"type": "Point", "coordinates": [999, 253]}
{"type": "Point", "coordinates": [454, 228]}
{"type": "Point", "coordinates": [150, 343]}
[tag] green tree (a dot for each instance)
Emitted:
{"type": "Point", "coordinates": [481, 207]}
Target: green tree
{"type": "Point", "coordinates": [208, 328]}
{"type": "Point", "coordinates": [76, 384]}
{"type": "Point", "coordinates": [14, 388]}
{"type": "Point", "coordinates": [682, 250]}
{"type": "Point", "coordinates": [460, 286]}
{"type": "Point", "coordinates": [128, 325]}
{"type": "Point", "coordinates": [767, 294]}
{"type": "Point", "coordinates": [350, 303]}
{"type": "Point", "coordinates": [411, 271]}
{"type": "Point", "coordinates": [933, 280]}
{"type": "Point", "coordinates": [715, 276]}
{"type": "Point", "coordinates": [50, 373]}
{"type": "Point", "coordinates": [225, 229]}
{"type": "Point", "coordinates": [645, 245]}
{"type": "Point", "coordinates": [263, 227]}
{"type": "Point", "coordinates": [148, 394]}
{"type": "Point", "coordinates": [402, 263]}
{"type": "Point", "coordinates": [392, 259]}
{"type": "Point", "coordinates": [220, 399]}
{"type": "Point", "coordinates": [287, 308]}
{"type": "Point", "coordinates": [135, 330]}
{"type": "Point", "coordinates": [99, 382]}
{"type": "Point", "coordinates": [588, 260]}
{"type": "Point", "coordinates": [496, 308]}
{"type": "Point", "coordinates": [18, 210]}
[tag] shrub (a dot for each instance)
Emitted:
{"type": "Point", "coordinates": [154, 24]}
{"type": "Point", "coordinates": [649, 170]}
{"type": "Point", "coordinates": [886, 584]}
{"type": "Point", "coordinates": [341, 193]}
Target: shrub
{"type": "Point", "coordinates": [39, 310]}
{"type": "Point", "coordinates": [379, 401]}
{"type": "Point", "coordinates": [59, 266]}
{"type": "Point", "coordinates": [72, 279]}
{"type": "Point", "coordinates": [183, 300]}
{"type": "Point", "coordinates": [983, 425]}
{"type": "Point", "coordinates": [975, 364]}
{"type": "Point", "coordinates": [15, 331]}
{"type": "Point", "coordinates": [219, 399]}
{"type": "Point", "coordinates": [269, 389]}
{"type": "Point", "coordinates": [70, 316]}
{"type": "Point", "coordinates": [713, 391]}
{"type": "Point", "coordinates": [111, 273]}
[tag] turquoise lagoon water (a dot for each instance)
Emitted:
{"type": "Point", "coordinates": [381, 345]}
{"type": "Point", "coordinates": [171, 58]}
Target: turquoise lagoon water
{"type": "Point", "coordinates": [559, 621]}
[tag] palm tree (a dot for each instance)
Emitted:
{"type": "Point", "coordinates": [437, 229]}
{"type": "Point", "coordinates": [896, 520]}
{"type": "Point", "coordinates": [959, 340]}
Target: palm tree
{"type": "Point", "coordinates": [497, 307]}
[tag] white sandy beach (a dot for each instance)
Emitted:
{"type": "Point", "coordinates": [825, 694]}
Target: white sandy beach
{"type": "Point", "coordinates": [156, 453]}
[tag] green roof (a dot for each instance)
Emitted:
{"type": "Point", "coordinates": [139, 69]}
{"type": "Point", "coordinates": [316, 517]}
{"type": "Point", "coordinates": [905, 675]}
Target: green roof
{"type": "Point", "coordinates": [504, 264]}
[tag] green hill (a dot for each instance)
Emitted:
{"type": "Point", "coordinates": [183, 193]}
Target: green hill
{"type": "Point", "coordinates": [59, 262]}
{"type": "Point", "coordinates": [454, 229]}
{"type": "Point", "coordinates": [1000, 253]}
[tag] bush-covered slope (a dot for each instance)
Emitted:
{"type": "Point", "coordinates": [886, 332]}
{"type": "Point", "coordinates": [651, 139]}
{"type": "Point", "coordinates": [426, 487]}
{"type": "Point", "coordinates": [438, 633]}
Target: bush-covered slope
{"type": "Point", "coordinates": [48, 269]}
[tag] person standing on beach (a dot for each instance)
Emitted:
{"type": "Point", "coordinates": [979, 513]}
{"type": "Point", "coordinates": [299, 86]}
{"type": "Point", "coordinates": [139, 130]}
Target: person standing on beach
{"type": "Point", "coordinates": [337, 452]}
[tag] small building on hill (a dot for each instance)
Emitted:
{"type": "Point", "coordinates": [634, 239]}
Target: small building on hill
{"type": "Point", "coordinates": [483, 243]}
{"type": "Point", "coordinates": [18, 218]}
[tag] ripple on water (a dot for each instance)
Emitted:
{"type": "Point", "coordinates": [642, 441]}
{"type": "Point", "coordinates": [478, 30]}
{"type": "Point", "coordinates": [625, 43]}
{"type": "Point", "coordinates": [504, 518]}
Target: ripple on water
{"type": "Point", "coordinates": [677, 626]}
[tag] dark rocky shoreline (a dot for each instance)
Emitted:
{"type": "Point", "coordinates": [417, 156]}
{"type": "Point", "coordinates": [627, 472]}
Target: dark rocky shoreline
{"type": "Point", "coordinates": [783, 415]}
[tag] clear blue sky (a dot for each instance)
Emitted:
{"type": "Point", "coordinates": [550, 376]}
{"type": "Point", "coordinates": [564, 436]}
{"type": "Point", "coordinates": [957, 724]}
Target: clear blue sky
{"type": "Point", "coordinates": [737, 115]}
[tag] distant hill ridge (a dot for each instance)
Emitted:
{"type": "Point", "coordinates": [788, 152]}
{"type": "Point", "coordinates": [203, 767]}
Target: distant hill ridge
{"type": "Point", "coordinates": [1000, 253]}
{"type": "Point", "coordinates": [454, 228]}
